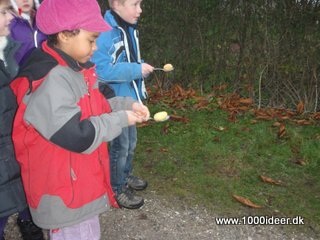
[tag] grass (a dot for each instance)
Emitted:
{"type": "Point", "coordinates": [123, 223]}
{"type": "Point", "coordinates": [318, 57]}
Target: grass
{"type": "Point", "coordinates": [209, 159]}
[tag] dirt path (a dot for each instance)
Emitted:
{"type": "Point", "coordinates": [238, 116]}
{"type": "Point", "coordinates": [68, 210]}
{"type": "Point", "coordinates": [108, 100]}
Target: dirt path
{"type": "Point", "coordinates": [159, 219]}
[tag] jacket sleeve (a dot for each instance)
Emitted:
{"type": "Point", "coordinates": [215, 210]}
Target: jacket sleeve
{"type": "Point", "coordinates": [108, 67]}
{"type": "Point", "coordinates": [54, 112]}
{"type": "Point", "coordinates": [121, 103]}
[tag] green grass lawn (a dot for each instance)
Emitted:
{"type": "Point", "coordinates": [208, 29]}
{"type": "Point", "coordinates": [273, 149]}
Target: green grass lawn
{"type": "Point", "coordinates": [209, 159]}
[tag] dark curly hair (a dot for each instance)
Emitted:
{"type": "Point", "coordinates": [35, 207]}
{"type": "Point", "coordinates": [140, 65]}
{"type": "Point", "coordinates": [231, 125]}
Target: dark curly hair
{"type": "Point", "coordinates": [53, 38]}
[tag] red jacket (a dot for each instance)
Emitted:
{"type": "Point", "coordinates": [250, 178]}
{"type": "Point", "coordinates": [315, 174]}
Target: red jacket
{"type": "Point", "coordinates": [65, 169]}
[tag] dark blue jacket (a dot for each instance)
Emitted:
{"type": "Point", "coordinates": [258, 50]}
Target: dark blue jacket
{"type": "Point", "coordinates": [12, 197]}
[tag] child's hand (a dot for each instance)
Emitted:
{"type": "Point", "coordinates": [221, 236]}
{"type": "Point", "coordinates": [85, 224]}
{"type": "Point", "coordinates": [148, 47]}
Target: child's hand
{"type": "Point", "coordinates": [146, 69]}
{"type": "Point", "coordinates": [141, 110]}
{"type": "Point", "coordinates": [133, 118]}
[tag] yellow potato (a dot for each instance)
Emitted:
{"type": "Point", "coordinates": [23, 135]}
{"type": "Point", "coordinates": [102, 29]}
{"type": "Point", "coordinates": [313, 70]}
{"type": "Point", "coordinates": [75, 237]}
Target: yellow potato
{"type": "Point", "coordinates": [160, 116]}
{"type": "Point", "coordinates": [168, 67]}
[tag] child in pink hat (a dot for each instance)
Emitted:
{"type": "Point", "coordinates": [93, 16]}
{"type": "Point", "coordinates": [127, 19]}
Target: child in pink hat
{"type": "Point", "coordinates": [12, 197]}
{"type": "Point", "coordinates": [63, 123]}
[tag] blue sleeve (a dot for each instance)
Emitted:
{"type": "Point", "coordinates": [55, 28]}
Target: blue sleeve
{"type": "Point", "coordinates": [106, 68]}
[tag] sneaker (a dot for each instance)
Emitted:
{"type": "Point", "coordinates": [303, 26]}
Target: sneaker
{"type": "Point", "coordinates": [137, 183]}
{"type": "Point", "coordinates": [29, 230]}
{"type": "Point", "coordinates": [128, 200]}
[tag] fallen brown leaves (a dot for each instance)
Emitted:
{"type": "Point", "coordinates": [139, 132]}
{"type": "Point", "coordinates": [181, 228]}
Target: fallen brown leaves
{"type": "Point", "coordinates": [180, 98]}
{"type": "Point", "coordinates": [234, 103]}
{"type": "Point", "coordinates": [179, 118]}
{"type": "Point", "coordinates": [270, 180]}
{"type": "Point", "coordinates": [177, 98]}
{"type": "Point", "coordinates": [300, 108]}
{"type": "Point", "coordinates": [298, 161]}
{"type": "Point", "coordinates": [282, 131]}
{"type": "Point", "coordinates": [246, 201]}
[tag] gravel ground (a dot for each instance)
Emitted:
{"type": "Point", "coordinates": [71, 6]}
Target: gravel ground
{"type": "Point", "coordinates": [159, 219]}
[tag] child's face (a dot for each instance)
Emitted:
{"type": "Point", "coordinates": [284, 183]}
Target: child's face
{"type": "Point", "coordinates": [25, 5]}
{"type": "Point", "coordinates": [5, 19]}
{"type": "Point", "coordinates": [81, 46]}
{"type": "Point", "coordinates": [129, 11]}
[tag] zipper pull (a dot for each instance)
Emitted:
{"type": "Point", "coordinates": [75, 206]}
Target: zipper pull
{"type": "Point", "coordinates": [88, 92]}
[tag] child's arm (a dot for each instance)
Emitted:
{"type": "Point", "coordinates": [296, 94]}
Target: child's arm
{"type": "Point", "coordinates": [108, 68]}
{"type": "Point", "coordinates": [121, 103]}
{"type": "Point", "coordinates": [54, 112]}
{"type": "Point", "coordinates": [128, 103]}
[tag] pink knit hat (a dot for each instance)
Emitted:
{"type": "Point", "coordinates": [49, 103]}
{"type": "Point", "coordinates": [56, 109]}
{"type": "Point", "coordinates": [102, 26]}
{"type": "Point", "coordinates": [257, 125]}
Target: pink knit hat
{"type": "Point", "coordinates": [55, 16]}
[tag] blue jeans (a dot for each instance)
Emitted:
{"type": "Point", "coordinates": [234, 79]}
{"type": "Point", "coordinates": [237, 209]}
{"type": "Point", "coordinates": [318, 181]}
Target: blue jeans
{"type": "Point", "coordinates": [3, 222]}
{"type": "Point", "coordinates": [121, 151]}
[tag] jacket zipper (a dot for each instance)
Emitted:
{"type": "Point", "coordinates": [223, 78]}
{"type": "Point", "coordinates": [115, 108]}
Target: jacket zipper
{"type": "Point", "coordinates": [88, 86]}
{"type": "Point", "coordinates": [87, 81]}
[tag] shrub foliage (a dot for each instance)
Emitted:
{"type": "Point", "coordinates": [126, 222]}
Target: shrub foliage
{"type": "Point", "coordinates": [264, 49]}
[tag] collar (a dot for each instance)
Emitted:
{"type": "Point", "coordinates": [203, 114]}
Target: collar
{"type": "Point", "coordinates": [73, 64]}
{"type": "Point", "coordinates": [122, 23]}
{"type": "Point", "coordinates": [3, 45]}
{"type": "Point", "coordinates": [22, 22]}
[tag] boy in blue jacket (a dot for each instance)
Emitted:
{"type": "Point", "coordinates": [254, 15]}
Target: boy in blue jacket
{"type": "Point", "coordinates": [119, 64]}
